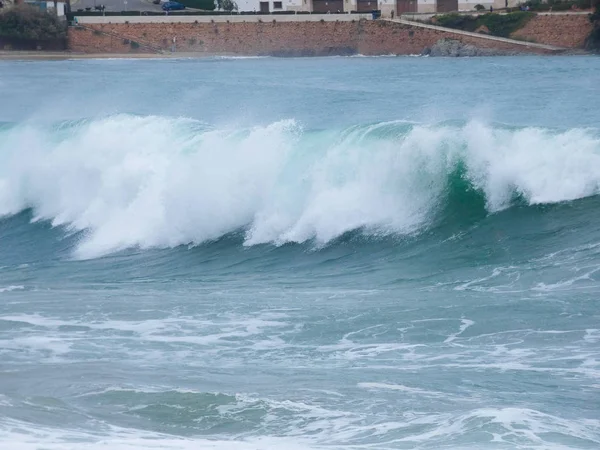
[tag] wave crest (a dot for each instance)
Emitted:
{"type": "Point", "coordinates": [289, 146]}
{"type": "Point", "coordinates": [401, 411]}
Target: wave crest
{"type": "Point", "coordinates": [161, 182]}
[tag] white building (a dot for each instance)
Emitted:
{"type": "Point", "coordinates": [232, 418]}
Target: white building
{"type": "Point", "coordinates": [48, 6]}
{"type": "Point", "coordinates": [386, 6]}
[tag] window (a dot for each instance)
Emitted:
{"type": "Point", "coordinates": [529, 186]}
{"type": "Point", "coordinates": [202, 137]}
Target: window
{"type": "Point", "coordinates": [277, 5]}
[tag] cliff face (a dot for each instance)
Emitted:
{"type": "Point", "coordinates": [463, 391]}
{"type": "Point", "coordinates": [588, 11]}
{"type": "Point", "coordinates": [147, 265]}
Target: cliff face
{"type": "Point", "coordinates": [270, 38]}
{"type": "Point", "coordinates": [569, 31]}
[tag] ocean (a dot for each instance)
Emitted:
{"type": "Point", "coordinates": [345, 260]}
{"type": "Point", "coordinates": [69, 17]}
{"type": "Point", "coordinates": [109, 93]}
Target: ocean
{"type": "Point", "coordinates": [328, 253]}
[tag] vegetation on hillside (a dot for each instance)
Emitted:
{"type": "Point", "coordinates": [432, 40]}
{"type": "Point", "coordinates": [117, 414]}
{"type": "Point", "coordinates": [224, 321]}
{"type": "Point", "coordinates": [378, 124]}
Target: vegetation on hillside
{"type": "Point", "coordinates": [26, 22]}
{"type": "Point", "coordinates": [593, 41]}
{"type": "Point", "coordinates": [206, 5]}
{"type": "Point", "coordinates": [227, 5]}
{"type": "Point", "coordinates": [557, 5]}
{"type": "Point", "coordinates": [497, 25]}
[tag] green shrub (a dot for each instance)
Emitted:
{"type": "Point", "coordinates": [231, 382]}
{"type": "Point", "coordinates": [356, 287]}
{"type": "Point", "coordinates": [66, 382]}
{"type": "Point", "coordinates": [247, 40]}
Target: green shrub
{"type": "Point", "coordinates": [595, 17]}
{"type": "Point", "coordinates": [505, 25]}
{"type": "Point", "coordinates": [479, 7]}
{"type": "Point", "coordinates": [583, 4]}
{"type": "Point", "coordinates": [556, 5]}
{"type": "Point", "coordinates": [134, 45]}
{"type": "Point", "coordinates": [227, 5]}
{"type": "Point", "coordinates": [27, 22]}
{"type": "Point", "coordinates": [457, 21]}
{"type": "Point", "coordinates": [559, 6]}
{"type": "Point", "coordinates": [207, 5]}
{"type": "Point", "coordinates": [499, 25]}
{"type": "Point", "coordinates": [592, 42]}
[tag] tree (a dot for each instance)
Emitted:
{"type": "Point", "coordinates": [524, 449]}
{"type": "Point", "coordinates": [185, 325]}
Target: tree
{"type": "Point", "coordinates": [228, 5]}
{"type": "Point", "coordinates": [26, 22]}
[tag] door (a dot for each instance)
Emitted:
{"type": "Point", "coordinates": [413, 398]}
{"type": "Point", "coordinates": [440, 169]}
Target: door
{"type": "Point", "coordinates": [406, 6]}
{"type": "Point", "coordinates": [366, 5]}
{"type": "Point", "coordinates": [330, 6]}
{"type": "Point", "coordinates": [447, 5]}
{"type": "Point", "coordinates": [264, 7]}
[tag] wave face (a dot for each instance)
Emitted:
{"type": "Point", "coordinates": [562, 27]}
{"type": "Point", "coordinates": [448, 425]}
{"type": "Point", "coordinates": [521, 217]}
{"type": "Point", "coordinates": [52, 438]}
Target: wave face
{"type": "Point", "coordinates": [128, 181]}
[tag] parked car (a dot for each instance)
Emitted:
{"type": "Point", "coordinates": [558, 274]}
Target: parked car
{"type": "Point", "coordinates": [172, 6]}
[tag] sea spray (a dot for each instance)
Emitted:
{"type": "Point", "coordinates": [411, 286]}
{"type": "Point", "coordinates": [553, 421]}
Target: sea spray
{"type": "Point", "coordinates": [132, 181]}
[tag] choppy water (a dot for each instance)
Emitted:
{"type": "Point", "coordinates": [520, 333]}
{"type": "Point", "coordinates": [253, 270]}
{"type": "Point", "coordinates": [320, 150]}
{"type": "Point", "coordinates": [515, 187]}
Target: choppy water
{"type": "Point", "coordinates": [348, 253]}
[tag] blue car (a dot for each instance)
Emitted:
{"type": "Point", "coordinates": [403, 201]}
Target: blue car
{"type": "Point", "coordinates": [172, 6]}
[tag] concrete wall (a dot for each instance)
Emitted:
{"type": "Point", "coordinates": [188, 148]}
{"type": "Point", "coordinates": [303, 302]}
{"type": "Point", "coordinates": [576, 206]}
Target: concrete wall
{"type": "Point", "coordinates": [367, 37]}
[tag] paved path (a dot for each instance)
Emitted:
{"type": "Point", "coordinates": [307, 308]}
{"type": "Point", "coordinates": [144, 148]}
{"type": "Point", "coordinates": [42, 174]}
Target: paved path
{"type": "Point", "coordinates": [478, 35]}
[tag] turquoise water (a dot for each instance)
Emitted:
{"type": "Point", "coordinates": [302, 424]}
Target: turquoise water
{"type": "Point", "coordinates": [340, 253]}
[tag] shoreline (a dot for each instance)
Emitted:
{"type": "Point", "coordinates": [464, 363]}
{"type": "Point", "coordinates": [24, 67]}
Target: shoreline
{"type": "Point", "coordinates": [16, 55]}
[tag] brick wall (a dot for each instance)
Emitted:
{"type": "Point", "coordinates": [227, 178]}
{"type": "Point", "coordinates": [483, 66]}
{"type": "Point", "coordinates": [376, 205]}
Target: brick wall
{"type": "Point", "coordinates": [562, 30]}
{"type": "Point", "coordinates": [269, 38]}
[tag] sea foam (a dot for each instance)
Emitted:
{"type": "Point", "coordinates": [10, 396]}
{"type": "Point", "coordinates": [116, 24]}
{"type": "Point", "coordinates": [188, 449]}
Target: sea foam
{"type": "Point", "coordinates": [162, 182]}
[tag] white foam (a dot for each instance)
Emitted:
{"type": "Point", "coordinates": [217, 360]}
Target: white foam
{"type": "Point", "coordinates": [561, 285]}
{"type": "Point", "coordinates": [35, 320]}
{"type": "Point", "coordinates": [510, 272]}
{"type": "Point", "coordinates": [56, 346]}
{"type": "Point", "coordinates": [123, 439]}
{"type": "Point", "coordinates": [401, 388]}
{"type": "Point", "coordinates": [11, 288]}
{"type": "Point", "coordinates": [4, 401]}
{"type": "Point", "coordinates": [160, 182]}
{"type": "Point", "coordinates": [257, 333]}
{"type": "Point", "coordinates": [237, 57]}
{"type": "Point", "coordinates": [515, 427]}
{"type": "Point", "coordinates": [465, 323]}
{"type": "Point", "coordinates": [592, 335]}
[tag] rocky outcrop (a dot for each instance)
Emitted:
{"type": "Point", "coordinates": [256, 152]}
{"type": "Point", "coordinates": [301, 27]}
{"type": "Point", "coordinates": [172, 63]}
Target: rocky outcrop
{"type": "Point", "coordinates": [455, 48]}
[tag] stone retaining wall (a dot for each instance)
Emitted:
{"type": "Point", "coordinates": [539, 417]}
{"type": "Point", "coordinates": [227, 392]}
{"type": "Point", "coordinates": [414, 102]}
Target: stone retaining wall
{"type": "Point", "coordinates": [569, 31]}
{"type": "Point", "coordinates": [270, 38]}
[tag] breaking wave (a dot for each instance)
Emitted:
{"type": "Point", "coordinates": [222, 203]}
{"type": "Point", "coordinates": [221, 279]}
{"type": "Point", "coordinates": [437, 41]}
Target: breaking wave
{"type": "Point", "coordinates": [127, 181]}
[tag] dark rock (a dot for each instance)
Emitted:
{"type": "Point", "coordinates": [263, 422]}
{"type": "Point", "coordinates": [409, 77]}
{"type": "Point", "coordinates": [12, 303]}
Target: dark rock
{"type": "Point", "coordinates": [455, 48]}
